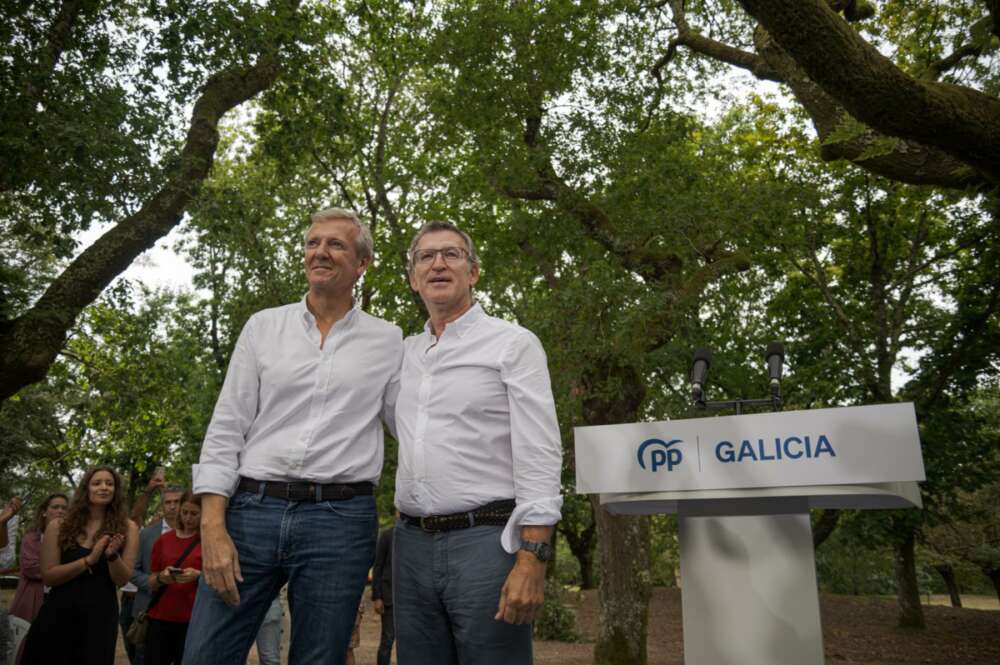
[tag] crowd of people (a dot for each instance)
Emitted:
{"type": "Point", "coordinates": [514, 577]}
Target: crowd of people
{"type": "Point", "coordinates": [283, 493]}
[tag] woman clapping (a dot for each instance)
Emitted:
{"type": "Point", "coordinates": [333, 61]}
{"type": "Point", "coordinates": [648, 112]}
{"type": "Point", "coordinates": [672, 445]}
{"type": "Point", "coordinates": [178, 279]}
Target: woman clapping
{"type": "Point", "coordinates": [85, 557]}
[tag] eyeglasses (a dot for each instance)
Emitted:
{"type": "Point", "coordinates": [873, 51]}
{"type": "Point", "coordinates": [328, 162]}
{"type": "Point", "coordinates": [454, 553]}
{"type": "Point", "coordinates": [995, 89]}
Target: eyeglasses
{"type": "Point", "coordinates": [451, 255]}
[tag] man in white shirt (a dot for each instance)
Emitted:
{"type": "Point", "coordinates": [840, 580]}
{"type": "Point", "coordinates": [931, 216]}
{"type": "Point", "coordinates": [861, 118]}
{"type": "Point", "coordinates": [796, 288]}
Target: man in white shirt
{"type": "Point", "coordinates": [477, 485]}
{"type": "Point", "coordinates": [295, 446]}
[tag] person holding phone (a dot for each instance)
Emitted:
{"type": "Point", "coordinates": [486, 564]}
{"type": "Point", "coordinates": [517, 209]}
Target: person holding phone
{"type": "Point", "coordinates": [85, 557]}
{"type": "Point", "coordinates": [176, 567]}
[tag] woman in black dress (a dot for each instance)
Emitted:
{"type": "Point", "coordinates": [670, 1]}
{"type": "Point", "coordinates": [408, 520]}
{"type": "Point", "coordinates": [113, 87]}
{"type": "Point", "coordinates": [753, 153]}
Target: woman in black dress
{"type": "Point", "coordinates": [85, 558]}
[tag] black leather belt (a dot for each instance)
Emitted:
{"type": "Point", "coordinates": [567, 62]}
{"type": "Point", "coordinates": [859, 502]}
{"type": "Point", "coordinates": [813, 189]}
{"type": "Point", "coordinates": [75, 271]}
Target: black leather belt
{"type": "Point", "coordinates": [496, 513]}
{"type": "Point", "coordinates": [306, 491]}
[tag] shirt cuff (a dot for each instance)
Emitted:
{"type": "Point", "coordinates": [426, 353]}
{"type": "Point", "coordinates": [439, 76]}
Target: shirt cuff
{"type": "Point", "coordinates": [214, 479]}
{"type": "Point", "coordinates": [540, 512]}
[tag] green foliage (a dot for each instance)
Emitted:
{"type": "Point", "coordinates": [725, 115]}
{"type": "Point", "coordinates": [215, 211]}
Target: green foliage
{"type": "Point", "coordinates": [847, 564]}
{"type": "Point", "coordinates": [555, 621]}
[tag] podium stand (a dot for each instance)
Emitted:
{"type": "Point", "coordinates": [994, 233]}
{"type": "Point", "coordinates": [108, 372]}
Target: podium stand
{"type": "Point", "coordinates": [742, 493]}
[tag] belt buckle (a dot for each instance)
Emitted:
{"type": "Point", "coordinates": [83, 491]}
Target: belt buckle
{"type": "Point", "coordinates": [424, 525]}
{"type": "Point", "coordinates": [293, 492]}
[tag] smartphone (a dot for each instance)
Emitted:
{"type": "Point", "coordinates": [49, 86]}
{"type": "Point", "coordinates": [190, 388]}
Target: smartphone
{"type": "Point", "coordinates": [160, 472]}
{"type": "Point", "coordinates": [174, 572]}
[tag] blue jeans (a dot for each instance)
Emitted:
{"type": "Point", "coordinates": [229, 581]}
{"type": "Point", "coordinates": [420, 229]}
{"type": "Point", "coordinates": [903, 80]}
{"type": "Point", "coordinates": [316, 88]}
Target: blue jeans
{"type": "Point", "coordinates": [321, 550]}
{"type": "Point", "coordinates": [447, 589]}
{"type": "Point", "coordinates": [269, 635]}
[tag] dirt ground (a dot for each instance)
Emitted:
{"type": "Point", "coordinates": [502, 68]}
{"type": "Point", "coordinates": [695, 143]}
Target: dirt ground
{"type": "Point", "coordinates": [856, 631]}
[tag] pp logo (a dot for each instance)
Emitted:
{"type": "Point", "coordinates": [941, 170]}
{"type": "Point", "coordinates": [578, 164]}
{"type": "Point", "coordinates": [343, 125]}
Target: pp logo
{"type": "Point", "coordinates": [661, 453]}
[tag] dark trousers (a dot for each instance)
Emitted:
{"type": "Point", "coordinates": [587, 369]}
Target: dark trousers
{"type": "Point", "coordinates": [165, 642]}
{"type": "Point", "coordinates": [446, 587]}
{"type": "Point", "coordinates": [125, 620]}
{"type": "Point", "coordinates": [388, 637]}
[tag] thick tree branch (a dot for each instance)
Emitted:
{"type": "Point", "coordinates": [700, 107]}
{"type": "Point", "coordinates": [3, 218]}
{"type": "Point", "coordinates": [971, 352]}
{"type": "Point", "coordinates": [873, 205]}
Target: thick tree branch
{"type": "Point", "coordinates": [993, 9]}
{"type": "Point", "coordinates": [57, 39]}
{"type": "Point", "coordinates": [952, 60]}
{"type": "Point", "coordinates": [651, 263]}
{"type": "Point", "coordinates": [30, 343]}
{"type": "Point", "coordinates": [896, 159]}
{"type": "Point", "coordinates": [716, 50]}
{"type": "Point", "coordinates": [686, 295]}
{"type": "Point", "coordinates": [381, 138]}
{"type": "Point", "coordinates": [960, 121]}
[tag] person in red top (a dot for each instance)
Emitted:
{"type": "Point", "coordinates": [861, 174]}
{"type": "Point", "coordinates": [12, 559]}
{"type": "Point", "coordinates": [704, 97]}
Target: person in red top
{"type": "Point", "coordinates": [169, 618]}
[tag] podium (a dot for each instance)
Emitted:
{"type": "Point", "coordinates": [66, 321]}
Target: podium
{"type": "Point", "coordinates": [742, 487]}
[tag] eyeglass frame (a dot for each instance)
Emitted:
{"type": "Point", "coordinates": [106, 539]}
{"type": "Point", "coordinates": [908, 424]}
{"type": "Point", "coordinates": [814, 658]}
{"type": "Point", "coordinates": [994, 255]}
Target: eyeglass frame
{"type": "Point", "coordinates": [416, 260]}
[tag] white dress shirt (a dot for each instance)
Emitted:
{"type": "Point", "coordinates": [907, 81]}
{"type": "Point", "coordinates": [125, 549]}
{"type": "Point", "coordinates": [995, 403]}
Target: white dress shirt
{"type": "Point", "coordinates": [290, 410]}
{"type": "Point", "coordinates": [477, 423]}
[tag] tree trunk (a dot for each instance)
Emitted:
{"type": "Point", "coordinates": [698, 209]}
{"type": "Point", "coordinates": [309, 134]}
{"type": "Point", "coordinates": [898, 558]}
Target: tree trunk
{"type": "Point", "coordinates": [994, 575]}
{"type": "Point", "coordinates": [911, 613]}
{"type": "Point", "coordinates": [616, 392]}
{"type": "Point", "coordinates": [825, 526]}
{"type": "Point", "coordinates": [947, 573]}
{"type": "Point", "coordinates": [586, 559]}
{"type": "Point", "coordinates": [624, 589]}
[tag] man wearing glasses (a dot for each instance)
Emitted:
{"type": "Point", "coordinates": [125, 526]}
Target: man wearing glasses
{"type": "Point", "coordinates": [479, 466]}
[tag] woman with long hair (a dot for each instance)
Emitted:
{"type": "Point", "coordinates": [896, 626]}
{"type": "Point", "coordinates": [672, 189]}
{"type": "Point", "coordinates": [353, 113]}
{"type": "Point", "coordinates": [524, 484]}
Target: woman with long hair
{"type": "Point", "coordinates": [85, 558]}
{"type": "Point", "coordinates": [174, 571]}
{"type": "Point", "coordinates": [30, 589]}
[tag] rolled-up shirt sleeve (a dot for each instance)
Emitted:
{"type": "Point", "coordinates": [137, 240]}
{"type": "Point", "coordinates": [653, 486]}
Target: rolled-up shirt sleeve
{"type": "Point", "coordinates": [534, 435]}
{"type": "Point", "coordinates": [217, 471]}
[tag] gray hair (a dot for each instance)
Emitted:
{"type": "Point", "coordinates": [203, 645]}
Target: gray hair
{"type": "Point", "coordinates": [363, 245]}
{"type": "Point", "coordinates": [431, 227]}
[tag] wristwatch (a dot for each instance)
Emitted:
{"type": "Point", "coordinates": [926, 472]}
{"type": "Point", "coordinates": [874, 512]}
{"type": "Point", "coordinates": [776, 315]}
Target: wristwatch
{"type": "Point", "coordinates": [543, 551]}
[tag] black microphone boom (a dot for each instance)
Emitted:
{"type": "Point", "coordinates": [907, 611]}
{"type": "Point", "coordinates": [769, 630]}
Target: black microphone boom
{"type": "Point", "coordinates": [699, 370]}
{"type": "Point", "coordinates": [775, 357]}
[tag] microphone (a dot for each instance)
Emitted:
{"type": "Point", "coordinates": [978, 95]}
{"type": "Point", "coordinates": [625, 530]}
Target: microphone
{"type": "Point", "coordinates": [775, 358]}
{"type": "Point", "coordinates": [699, 371]}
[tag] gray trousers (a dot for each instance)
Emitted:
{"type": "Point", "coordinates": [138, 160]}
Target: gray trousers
{"type": "Point", "coordinates": [447, 588]}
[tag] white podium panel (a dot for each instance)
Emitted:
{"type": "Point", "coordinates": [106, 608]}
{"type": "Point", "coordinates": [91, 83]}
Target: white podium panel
{"type": "Point", "coordinates": [846, 446]}
{"type": "Point", "coordinates": [742, 487]}
{"type": "Point", "coordinates": [748, 591]}
{"type": "Point", "coordinates": [766, 501]}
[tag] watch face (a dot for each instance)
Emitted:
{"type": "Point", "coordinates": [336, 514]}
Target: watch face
{"type": "Point", "coordinates": [541, 550]}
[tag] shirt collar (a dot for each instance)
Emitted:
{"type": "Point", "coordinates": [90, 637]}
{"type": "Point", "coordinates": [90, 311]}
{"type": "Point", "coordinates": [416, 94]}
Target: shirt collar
{"type": "Point", "coordinates": [462, 324]}
{"type": "Point", "coordinates": [309, 321]}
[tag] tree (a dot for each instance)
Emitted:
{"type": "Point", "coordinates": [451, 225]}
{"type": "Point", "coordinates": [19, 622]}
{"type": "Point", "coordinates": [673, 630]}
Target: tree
{"type": "Point", "coordinates": [929, 117]}
{"type": "Point", "coordinates": [872, 271]}
{"type": "Point", "coordinates": [87, 136]}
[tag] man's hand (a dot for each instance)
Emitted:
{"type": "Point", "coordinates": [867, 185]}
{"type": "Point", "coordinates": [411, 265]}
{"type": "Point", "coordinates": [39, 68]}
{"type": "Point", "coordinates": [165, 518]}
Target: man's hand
{"type": "Point", "coordinates": [524, 591]}
{"type": "Point", "coordinates": [378, 606]}
{"type": "Point", "coordinates": [155, 483]}
{"type": "Point", "coordinates": [220, 562]}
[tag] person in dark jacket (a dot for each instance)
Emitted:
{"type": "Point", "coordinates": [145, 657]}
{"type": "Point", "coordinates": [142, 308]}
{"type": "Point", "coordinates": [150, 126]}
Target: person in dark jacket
{"type": "Point", "coordinates": [382, 594]}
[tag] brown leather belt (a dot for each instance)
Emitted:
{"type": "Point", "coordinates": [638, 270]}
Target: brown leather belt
{"type": "Point", "coordinates": [306, 491]}
{"type": "Point", "coordinates": [496, 513]}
